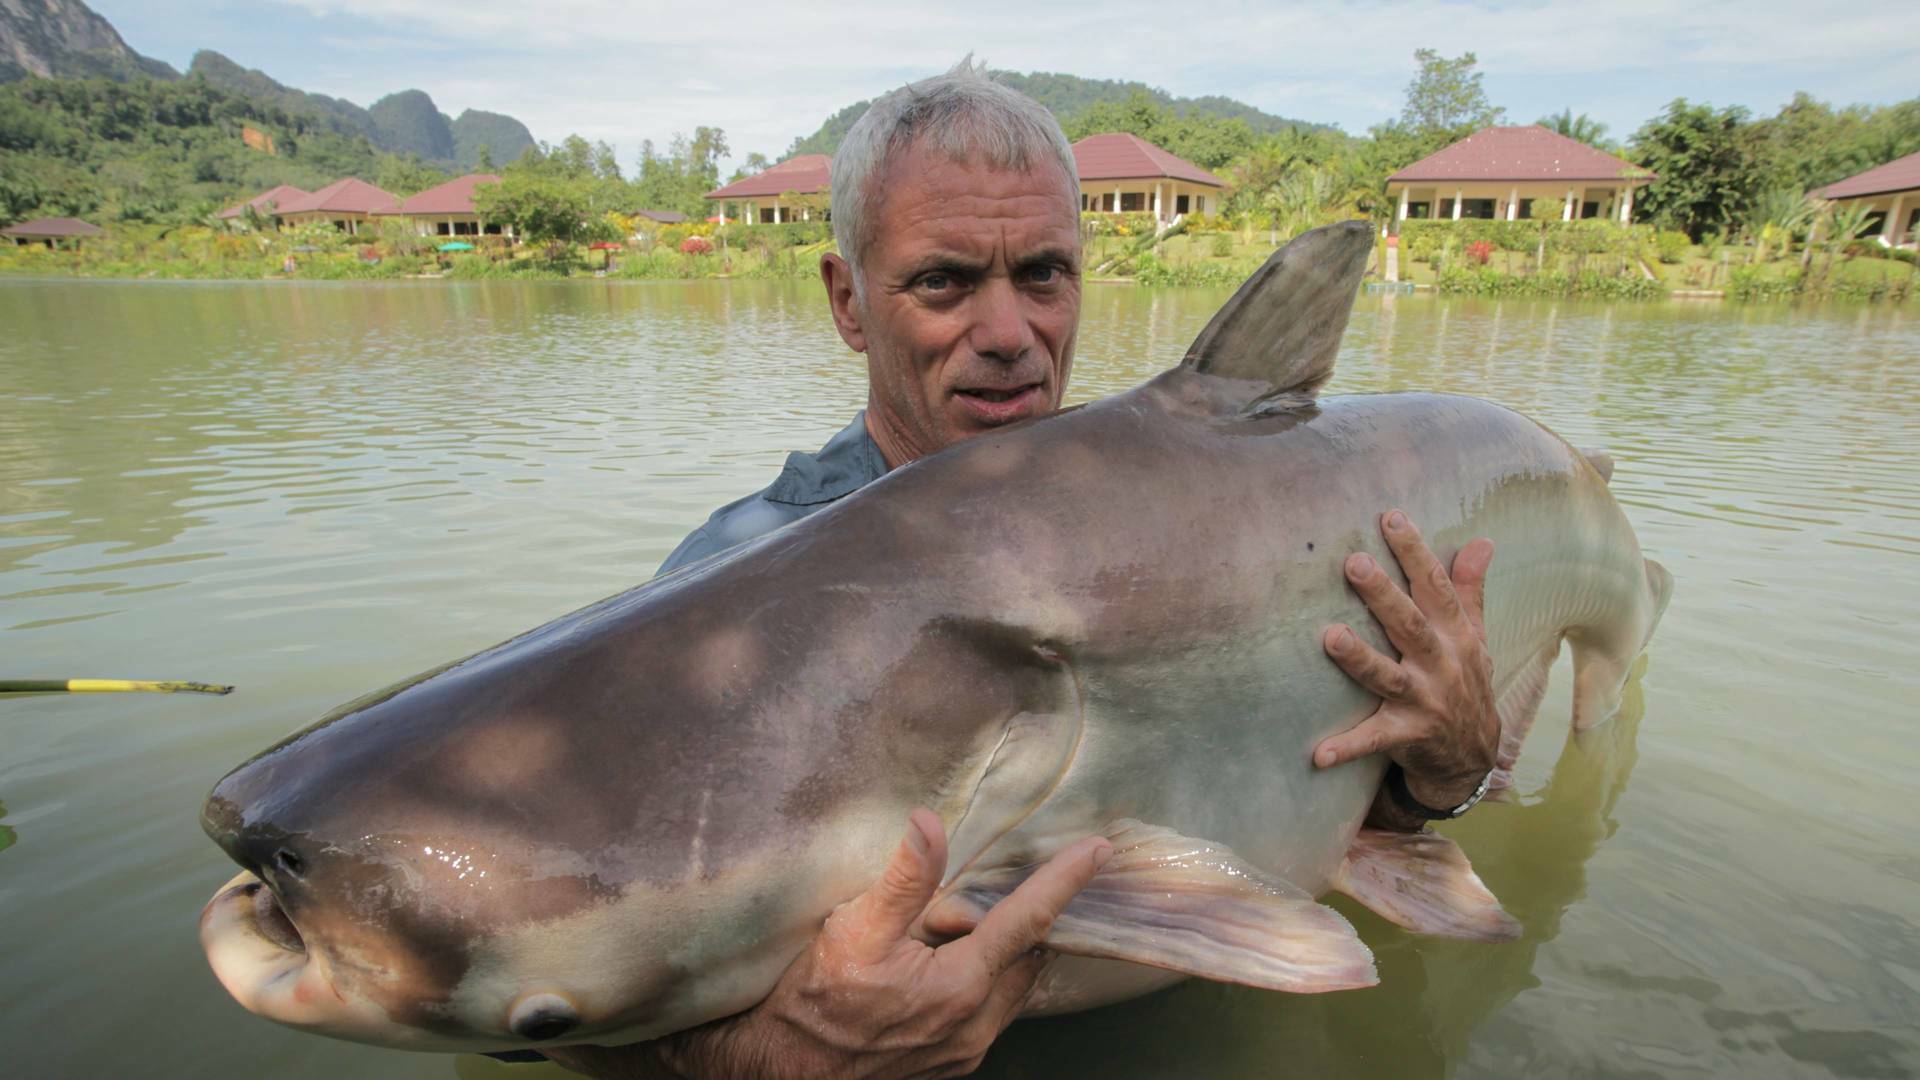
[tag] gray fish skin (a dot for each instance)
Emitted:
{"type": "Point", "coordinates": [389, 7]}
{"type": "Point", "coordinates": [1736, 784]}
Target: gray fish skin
{"type": "Point", "coordinates": [645, 809]}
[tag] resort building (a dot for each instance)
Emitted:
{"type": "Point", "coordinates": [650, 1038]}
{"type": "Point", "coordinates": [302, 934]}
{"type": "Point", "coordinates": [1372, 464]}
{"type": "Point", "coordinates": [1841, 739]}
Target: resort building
{"type": "Point", "coordinates": [1892, 191]}
{"type": "Point", "coordinates": [1118, 174]}
{"type": "Point", "coordinates": [447, 210]}
{"type": "Point", "coordinates": [1125, 174]}
{"type": "Point", "coordinates": [1502, 173]}
{"type": "Point", "coordinates": [265, 203]}
{"type": "Point", "coordinates": [660, 217]}
{"type": "Point", "coordinates": [56, 232]}
{"type": "Point", "coordinates": [348, 205]}
{"type": "Point", "coordinates": [765, 197]}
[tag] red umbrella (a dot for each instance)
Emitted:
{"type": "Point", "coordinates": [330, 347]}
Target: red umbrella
{"type": "Point", "coordinates": [609, 247]}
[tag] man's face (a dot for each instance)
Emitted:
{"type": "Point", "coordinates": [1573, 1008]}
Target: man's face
{"type": "Point", "coordinates": [970, 302]}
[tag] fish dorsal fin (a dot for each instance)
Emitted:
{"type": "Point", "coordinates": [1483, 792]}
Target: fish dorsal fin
{"type": "Point", "coordinates": [1281, 330]}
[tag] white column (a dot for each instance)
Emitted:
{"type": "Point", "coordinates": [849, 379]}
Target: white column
{"type": "Point", "coordinates": [1456, 203]}
{"type": "Point", "coordinates": [1890, 228]}
{"type": "Point", "coordinates": [1626, 205]}
{"type": "Point", "coordinates": [1566, 213]}
{"type": "Point", "coordinates": [1116, 198]}
{"type": "Point", "coordinates": [776, 211]}
{"type": "Point", "coordinates": [1513, 205]}
{"type": "Point", "coordinates": [1156, 202]}
{"type": "Point", "coordinates": [1403, 204]}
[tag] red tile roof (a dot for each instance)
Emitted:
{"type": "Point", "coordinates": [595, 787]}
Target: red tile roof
{"type": "Point", "coordinates": [453, 197]}
{"type": "Point", "coordinates": [664, 217]}
{"type": "Point", "coordinates": [266, 201]}
{"type": "Point", "coordinates": [1519, 153]}
{"type": "Point", "coordinates": [806, 174]}
{"type": "Point", "coordinates": [1900, 174]}
{"type": "Point", "coordinates": [1120, 156]}
{"type": "Point", "coordinates": [349, 196]}
{"type": "Point", "coordinates": [56, 227]}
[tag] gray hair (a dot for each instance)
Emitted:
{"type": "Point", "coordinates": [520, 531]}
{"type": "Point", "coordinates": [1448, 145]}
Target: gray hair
{"type": "Point", "coordinates": [963, 114]}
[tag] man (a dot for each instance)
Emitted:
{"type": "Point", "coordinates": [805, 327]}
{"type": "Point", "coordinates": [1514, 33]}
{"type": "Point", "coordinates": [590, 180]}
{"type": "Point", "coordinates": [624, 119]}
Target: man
{"type": "Point", "coordinates": [956, 211]}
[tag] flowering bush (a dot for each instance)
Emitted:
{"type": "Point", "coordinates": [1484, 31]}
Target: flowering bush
{"type": "Point", "coordinates": [1480, 251]}
{"type": "Point", "coordinates": [696, 245]}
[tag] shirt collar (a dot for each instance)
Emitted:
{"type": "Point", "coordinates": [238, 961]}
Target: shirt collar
{"type": "Point", "coordinates": [849, 462]}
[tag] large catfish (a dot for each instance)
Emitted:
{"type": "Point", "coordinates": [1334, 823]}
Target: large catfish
{"type": "Point", "coordinates": [629, 821]}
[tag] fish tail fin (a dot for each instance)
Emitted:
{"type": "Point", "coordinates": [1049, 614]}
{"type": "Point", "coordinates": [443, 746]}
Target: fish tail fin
{"type": "Point", "coordinates": [1518, 704]}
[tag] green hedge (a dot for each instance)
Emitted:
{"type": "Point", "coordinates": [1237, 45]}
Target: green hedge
{"type": "Point", "coordinates": [1421, 240]}
{"type": "Point", "coordinates": [1476, 282]}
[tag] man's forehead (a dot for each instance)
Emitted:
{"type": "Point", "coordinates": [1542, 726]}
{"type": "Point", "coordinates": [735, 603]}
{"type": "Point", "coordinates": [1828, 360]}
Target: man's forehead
{"type": "Point", "coordinates": [928, 197]}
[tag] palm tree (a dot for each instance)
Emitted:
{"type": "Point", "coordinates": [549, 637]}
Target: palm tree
{"type": "Point", "coordinates": [1582, 128]}
{"type": "Point", "coordinates": [1779, 215]}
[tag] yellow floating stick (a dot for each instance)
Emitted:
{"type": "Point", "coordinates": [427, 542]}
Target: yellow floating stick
{"type": "Point", "coordinates": [107, 686]}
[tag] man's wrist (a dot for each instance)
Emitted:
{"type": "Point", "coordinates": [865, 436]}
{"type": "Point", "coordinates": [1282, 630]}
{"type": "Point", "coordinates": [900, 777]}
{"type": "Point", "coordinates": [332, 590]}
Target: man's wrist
{"type": "Point", "coordinates": [1434, 797]}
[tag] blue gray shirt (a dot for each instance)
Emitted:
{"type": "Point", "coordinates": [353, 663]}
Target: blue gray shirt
{"type": "Point", "coordinates": [808, 483]}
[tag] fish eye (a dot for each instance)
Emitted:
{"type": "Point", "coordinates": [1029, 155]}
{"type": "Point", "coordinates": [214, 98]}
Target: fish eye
{"type": "Point", "coordinates": [540, 1017]}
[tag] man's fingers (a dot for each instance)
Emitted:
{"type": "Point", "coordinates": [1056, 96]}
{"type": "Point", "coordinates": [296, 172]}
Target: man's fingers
{"type": "Point", "coordinates": [1428, 580]}
{"type": "Point", "coordinates": [1376, 734]}
{"type": "Point", "coordinates": [1010, 990]}
{"type": "Point", "coordinates": [1470, 581]}
{"type": "Point", "coordinates": [1021, 921]}
{"type": "Point", "coordinates": [878, 918]}
{"type": "Point", "coordinates": [1367, 665]}
{"type": "Point", "coordinates": [1406, 627]}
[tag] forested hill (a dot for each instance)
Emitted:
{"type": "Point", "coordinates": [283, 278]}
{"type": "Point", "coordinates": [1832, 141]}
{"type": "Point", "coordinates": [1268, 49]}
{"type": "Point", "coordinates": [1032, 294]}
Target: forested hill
{"type": "Point", "coordinates": [1071, 99]}
{"type": "Point", "coordinates": [406, 122]}
{"type": "Point", "coordinates": [67, 38]}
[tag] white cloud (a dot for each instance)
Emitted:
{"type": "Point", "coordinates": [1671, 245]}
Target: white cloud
{"type": "Point", "coordinates": [768, 72]}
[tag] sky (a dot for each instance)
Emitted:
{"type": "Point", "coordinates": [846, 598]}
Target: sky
{"type": "Point", "coordinates": [624, 71]}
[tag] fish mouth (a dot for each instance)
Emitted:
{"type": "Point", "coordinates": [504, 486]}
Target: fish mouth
{"type": "Point", "coordinates": [262, 959]}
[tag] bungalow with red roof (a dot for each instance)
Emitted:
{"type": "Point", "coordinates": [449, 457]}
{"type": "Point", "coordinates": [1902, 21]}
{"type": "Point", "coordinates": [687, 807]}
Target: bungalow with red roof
{"type": "Point", "coordinates": [265, 203]}
{"type": "Point", "coordinates": [53, 232]}
{"type": "Point", "coordinates": [1500, 173]}
{"type": "Point", "coordinates": [447, 210]}
{"type": "Point", "coordinates": [763, 198]}
{"type": "Point", "coordinates": [346, 204]}
{"type": "Point", "coordinates": [1119, 173]}
{"type": "Point", "coordinates": [1892, 191]}
{"type": "Point", "coordinates": [1126, 174]}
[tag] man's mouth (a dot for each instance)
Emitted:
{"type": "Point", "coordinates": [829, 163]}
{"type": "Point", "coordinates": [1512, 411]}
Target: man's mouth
{"type": "Point", "coordinates": [988, 405]}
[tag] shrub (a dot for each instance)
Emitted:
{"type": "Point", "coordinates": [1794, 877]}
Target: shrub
{"type": "Point", "coordinates": [1222, 245]}
{"type": "Point", "coordinates": [1671, 247]}
{"type": "Point", "coordinates": [1480, 251]}
{"type": "Point", "coordinates": [696, 245]}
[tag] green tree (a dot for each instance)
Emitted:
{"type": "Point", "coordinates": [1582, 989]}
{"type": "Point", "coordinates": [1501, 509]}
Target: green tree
{"type": "Point", "coordinates": [1707, 176]}
{"type": "Point", "coordinates": [539, 206]}
{"type": "Point", "coordinates": [407, 175]}
{"type": "Point", "coordinates": [1582, 128]}
{"type": "Point", "coordinates": [1447, 96]}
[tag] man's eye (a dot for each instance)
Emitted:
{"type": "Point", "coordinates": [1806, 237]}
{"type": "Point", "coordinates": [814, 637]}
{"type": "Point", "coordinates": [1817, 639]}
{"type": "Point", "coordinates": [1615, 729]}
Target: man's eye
{"type": "Point", "coordinates": [1043, 275]}
{"type": "Point", "coordinates": [936, 282]}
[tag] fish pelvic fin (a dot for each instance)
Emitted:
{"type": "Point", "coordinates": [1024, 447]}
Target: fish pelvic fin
{"type": "Point", "coordinates": [1283, 328]}
{"type": "Point", "coordinates": [1186, 905]}
{"type": "Point", "coordinates": [1423, 882]}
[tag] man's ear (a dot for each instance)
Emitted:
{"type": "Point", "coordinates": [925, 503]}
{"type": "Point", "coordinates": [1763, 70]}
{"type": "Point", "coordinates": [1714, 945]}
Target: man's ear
{"type": "Point", "coordinates": [838, 276]}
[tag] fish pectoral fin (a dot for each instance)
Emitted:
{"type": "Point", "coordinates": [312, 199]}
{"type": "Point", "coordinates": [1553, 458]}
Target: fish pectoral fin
{"type": "Point", "coordinates": [1186, 905]}
{"type": "Point", "coordinates": [1422, 881]}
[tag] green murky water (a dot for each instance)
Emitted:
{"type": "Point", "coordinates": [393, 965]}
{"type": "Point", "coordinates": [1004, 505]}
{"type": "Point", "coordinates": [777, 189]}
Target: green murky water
{"type": "Point", "coordinates": [311, 491]}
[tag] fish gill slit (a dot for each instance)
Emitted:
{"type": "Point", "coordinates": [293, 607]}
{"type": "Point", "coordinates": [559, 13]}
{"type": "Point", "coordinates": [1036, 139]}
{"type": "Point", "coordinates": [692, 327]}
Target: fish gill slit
{"type": "Point", "coordinates": [1059, 776]}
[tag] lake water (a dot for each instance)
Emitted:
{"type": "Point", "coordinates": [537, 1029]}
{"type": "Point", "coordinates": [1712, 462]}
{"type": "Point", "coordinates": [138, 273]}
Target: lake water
{"type": "Point", "coordinates": [311, 491]}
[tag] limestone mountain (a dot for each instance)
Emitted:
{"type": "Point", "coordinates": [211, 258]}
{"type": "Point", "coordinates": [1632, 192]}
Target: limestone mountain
{"type": "Point", "coordinates": [406, 122]}
{"type": "Point", "coordinates": [67, 39]}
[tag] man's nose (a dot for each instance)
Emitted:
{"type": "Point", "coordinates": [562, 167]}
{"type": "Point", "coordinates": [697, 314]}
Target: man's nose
{"type": "Point", "coordinates": [1001, 330]}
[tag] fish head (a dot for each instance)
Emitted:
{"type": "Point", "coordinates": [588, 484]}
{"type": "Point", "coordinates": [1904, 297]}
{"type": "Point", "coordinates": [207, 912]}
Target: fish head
{"type": "Point", "coordinates": [508, 854]}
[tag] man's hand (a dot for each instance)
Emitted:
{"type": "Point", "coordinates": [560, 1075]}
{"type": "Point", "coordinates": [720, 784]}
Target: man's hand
{"type": "Point", "coordinates": [866, 999]}
{"type": "Point", "coordinates": [1436, 716]}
